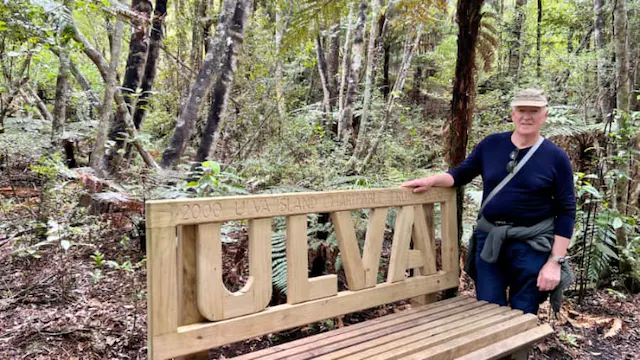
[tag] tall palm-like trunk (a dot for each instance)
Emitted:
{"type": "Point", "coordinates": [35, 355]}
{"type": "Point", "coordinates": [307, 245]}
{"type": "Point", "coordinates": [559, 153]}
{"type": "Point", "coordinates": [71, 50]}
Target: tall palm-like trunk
{"type": "Point", "coordinates": [200, 88]}
{"type": "Point", "coordinates": [468, 17]}
{"type": "Point", "coordinates": [225, 78]}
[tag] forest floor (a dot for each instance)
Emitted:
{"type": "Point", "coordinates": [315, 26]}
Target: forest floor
{"type": "Point", "coordinates": [68, 303]}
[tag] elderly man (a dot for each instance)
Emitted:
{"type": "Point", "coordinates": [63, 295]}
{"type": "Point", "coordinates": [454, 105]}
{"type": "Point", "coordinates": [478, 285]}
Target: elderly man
{"type": "Point", "coordinates": [524, 227]}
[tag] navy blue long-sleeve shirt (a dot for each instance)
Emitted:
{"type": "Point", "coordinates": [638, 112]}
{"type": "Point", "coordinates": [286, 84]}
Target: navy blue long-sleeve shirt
{"type": "Point", "coordinates": [541, 189]}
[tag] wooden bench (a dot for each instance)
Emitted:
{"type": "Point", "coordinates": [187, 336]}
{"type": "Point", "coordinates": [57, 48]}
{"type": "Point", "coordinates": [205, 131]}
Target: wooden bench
{"type": "Point", "coordinates": [191, 311]}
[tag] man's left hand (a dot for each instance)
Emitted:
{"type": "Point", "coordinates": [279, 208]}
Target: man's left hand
{"type": "Point", "coordinates": [549, 276]}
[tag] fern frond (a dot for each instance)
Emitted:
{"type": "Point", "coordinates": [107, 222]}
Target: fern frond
{"type": "Point", "coordinates": [572, 130]}
{"type": "Point", "coordinates": [490, 38]}
{"type": "Point", "coordinates": [488, 26]}
{"type": "Point", "coordinates": [485, 50]}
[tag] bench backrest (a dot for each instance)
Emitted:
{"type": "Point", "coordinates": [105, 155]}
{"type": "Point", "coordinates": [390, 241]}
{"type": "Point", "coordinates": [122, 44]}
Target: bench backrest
{"type": "Point", "coordinates": [190, 309]}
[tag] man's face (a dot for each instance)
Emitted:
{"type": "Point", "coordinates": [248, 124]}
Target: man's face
{"type": "Point", "coordinates": [528, 119]}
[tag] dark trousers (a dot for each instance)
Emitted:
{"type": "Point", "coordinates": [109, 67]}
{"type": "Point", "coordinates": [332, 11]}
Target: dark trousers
{"type": "Point", "coordinates": [517, 268]}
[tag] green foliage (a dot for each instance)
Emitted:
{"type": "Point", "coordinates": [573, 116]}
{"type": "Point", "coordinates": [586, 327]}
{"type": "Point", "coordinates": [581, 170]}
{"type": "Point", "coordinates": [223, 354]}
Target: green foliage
{"type": "Point", "coordinates": [98, 259]}
{"type": "Point", "coordinates": [213, 181]}
{"type": "Point", "coordinates": [568, 338]}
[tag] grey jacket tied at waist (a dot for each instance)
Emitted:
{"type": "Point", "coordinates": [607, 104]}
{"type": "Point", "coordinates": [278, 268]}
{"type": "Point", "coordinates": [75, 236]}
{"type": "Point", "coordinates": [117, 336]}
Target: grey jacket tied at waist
{"type": "Point", "coordinates": [539, 236]}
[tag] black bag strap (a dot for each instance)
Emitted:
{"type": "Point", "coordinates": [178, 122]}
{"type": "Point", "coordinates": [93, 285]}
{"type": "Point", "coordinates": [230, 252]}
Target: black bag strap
{"type": "Point", "coordinates": [511, 174]}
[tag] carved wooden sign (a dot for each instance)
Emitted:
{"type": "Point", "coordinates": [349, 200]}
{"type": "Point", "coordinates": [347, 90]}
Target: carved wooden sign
{"type": "Point", "coordinates": [185, 267]}
{"type": "Point", "coordinates": [196, 211]}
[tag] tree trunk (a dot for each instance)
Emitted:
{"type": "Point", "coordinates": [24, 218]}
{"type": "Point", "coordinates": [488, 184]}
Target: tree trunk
{"type": "Point", "coordinates": [538, 41]}
{"type": "Point", "coordinates": [44, 111]}
{"type": "Point", "coordinates": [362, 144]}
{"type": "Point", "coordinates": [386, 83]}
{"type": "Point", "coordinates": [150, 69]}
{"type": "Point", "coordinates": [280, 29]}
{"type": "Point", "coordinates": [82, 81]}
{"type": "Point", "coordinates": [62, 97]}
{"type": "Point", "coordinates": [196, 35]}
{"type": "Point", "coordinates": [354, 72]}
{"type": "Point", "coordinates": [121, 107]}
{"type": "Point", "coordinates": [468, 17]}
{"type": "Point", "coordinates": [604, 66]}
{"type": "Point", "coordinates": [621, 45]}
{"type": "Point", "coordinates": [324, 80]}
{"type": "Point", "coordinates": [515, 52]}
{"type": "Point", "coordinates": [97, 159]}
{"type": "Point", "coordinates": [138, 49]}
{"type": "Point", "coordinates": [14, 89]}
{"type": "Point", "coordinates": [383, 51]}
{"type": "Point", "coordinates": [200, 88]}
{"type": "Point", "coordinates": [225, 79]}
{"type": "Point", "coordinates": [333, 63]}
{"type": "Point", "coordinates": [206, 25]}
{"type": "Point", "coordinates": [409, 49]}
{"type": "Point", "coordinates": [181, 45]}
{"type": "Point", "coordinates": [346, 55]}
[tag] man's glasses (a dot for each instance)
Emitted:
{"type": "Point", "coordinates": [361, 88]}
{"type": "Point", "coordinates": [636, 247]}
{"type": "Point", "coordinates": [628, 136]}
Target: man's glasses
{"type": "Point", "coordinates": [514, 162]}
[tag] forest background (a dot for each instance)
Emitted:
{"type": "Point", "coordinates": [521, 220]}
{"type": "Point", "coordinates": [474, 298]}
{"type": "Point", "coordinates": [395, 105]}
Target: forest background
{"type": "Point", "coordinates": [104, 105]}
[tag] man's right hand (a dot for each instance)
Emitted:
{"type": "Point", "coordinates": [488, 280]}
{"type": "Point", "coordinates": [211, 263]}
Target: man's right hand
{"type": "Point", "coordinates": [420, 185]}
{"type": "Point", "coordinates": [424, 184]}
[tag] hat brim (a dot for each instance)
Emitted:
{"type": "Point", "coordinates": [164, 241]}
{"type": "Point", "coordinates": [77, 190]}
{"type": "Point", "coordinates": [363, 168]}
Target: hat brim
{"type": "Point", "coordinates": [529, 103]}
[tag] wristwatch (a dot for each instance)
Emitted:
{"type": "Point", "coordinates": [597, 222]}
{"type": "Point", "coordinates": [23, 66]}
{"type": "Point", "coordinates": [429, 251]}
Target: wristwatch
{"type": "Point", "coordinates": [559, 259]}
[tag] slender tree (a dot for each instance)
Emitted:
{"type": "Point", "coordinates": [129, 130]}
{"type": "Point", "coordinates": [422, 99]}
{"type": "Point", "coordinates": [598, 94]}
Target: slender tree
{"type": "Point", "coordinates": [354, 72]}
{"type": "Point", "coordinates": [97, 160]}
{"type": "Point", "coordinates": [345, 70]}
{"type": "Point", "coordinates": [538, 41]}
{"type": "Point", "coordinates": [361, 143]}
{"type": "Point", "coordinates": [604, 73]}
{"type": "Point", "coordinates": [515, 50]}
{"type": "Point", "coordinates": [409, 49]}
{"type": "Point", "coordinates": [136, 61]}
{"type": "Point", "coordinates": [279, 73]}
{"type": "Point", "coordinates": [621, 45]}
{"type": "Point", "coordinates": [200, 88]}
{"type": "Point", "coordinates": [324, 81]}
{"type": "Point", "coordinates": [62, 95]}
{"type": "Point", "coordinates": [225, 78]}
{"type": "Point", "coordinates": [150, 69]}
{"type": "Point", "coordinates": [333, 62]}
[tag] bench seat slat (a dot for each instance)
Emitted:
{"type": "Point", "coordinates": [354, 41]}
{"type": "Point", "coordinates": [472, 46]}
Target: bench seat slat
{"type": "Point", "coordinates": [445, 332]}
{"type": "Point", "coordinates": [362, 327]}
{"type": "Point", "coordinates": [474, 340]}
{"type": "Point", "coordinates": [510, 345]}
{"type": "Point", "coordinates": [416, 333]}
{"type": "Point", "coordinates": [339, 346]}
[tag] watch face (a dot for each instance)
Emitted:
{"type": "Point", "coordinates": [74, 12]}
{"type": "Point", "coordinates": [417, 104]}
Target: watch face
{"type": "Point", "coordinates": [561, 260]}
